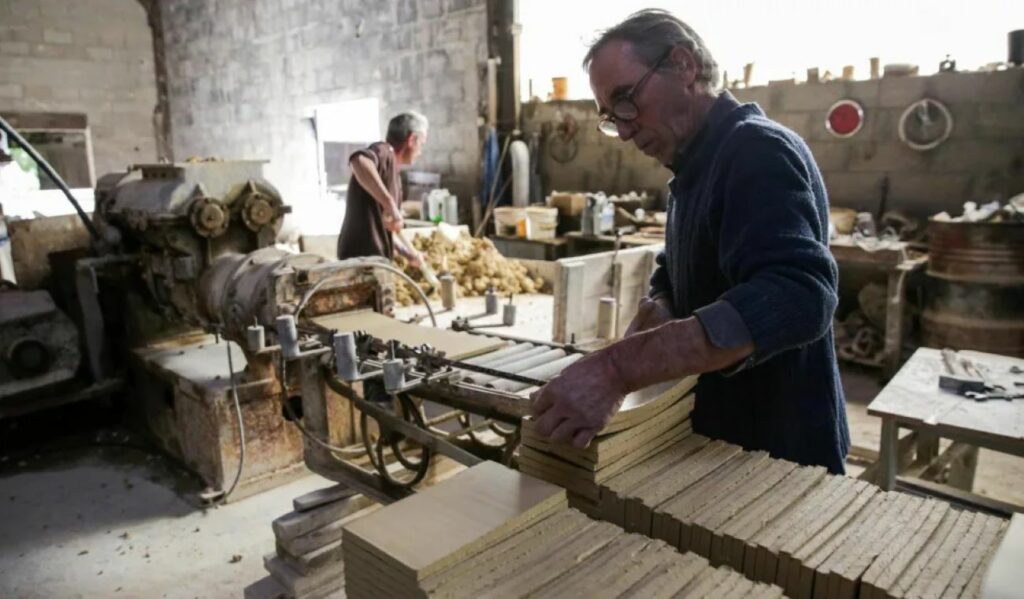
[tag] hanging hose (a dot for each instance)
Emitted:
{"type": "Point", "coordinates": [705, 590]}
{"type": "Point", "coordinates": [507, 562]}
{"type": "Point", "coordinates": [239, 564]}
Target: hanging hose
{"type": "Point", "coordinates": [241, 425]}
{"type": "Point", "coordinates": [52, 174]}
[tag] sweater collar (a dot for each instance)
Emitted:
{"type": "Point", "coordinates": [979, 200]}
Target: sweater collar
{"type": "Point", "coordinates": [690, 154]}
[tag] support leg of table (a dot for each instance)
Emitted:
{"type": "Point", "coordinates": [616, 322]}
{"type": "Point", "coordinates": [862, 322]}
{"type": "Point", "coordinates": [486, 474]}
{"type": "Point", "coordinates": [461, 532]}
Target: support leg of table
{"type": "Point", "coordinates": [887, 458]}
{"type": "Point", "coordinates": [893, 325]}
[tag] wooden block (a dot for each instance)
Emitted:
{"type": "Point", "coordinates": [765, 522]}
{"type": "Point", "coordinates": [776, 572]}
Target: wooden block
{"type": "Point", "coordinates": [710, 521]}
{"type": "Point", "coordinates": [612, 490]}
{"type": "Point", "coordinates": [297, 584]}
{"type": "Point", "coordinates": [793, 522]}
{"type": "Point", "coordinates": [999, 568]}
{"type": "Point", "coordinates": [709, 489]}
{"type": "Point", "coordinates": [455, 345]}
{"type": "Point", "coordinates": [559, 527]}
{"type": "Point", "coordinates": [670, 580]}
{"type": "Point", "coordinates": [582, 579]}
{"type": "Point", "coordinates": [922, 558]}
{"type": "Point", "coordinates": [424, 533]}
{"type": "Point", "coordinates": [315, 499]}
{"type": "Point", "coordinates": [294, 524]}
{"type": "Point", "coordinates": [846, 565]}
{"type": "Point", "coordinates": [737, 534]}
{"type": "Point", "coordinates": [608, 448]}
{"type": "Point", "coordinates": [969, 564]}
{"type": "Point", "coordinates": [816, 549]}
{"type": "Point", "coordinates": [325, 535]}
{"type": "Point", "coordinates": [542, 569]}
{"type": "Point", "coordinates": [702, 464]}
{"type": "Point", "coordinates": [941, 572]}
{"type": "Point", "coordinates": [847, 494]}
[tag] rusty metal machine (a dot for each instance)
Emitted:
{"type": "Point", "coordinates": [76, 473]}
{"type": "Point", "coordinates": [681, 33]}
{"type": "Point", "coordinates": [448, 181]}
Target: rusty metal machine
{"type": "Point", "coordinates": [187, 268]}
{"type": "Point", "coordinates": [190, 292]}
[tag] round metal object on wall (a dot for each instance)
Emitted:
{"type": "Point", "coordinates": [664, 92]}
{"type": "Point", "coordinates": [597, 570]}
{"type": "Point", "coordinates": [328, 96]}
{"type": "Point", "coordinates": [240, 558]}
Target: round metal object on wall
{"type": "Point", "coordinates": [925, 124]}
{"type": "Point", "coordinates": [845, 118]}
{"type": "Point", "coordinates": [209, 217]}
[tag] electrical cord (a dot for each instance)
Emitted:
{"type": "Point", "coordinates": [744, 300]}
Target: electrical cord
{"type": "Point", "coordinates": [52, 174]}
{"type": "Point", "coordinates": [344, 451]}
{"type": "Point", "coordinates": [241, 425]}
{"type": "Point", "coordinates": [367, 264]}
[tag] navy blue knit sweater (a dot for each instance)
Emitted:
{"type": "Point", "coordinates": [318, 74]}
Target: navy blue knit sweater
{"type": "Point", "coordinates": [747, 253]}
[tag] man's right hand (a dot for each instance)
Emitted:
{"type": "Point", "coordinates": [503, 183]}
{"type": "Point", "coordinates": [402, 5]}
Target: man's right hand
{"type": "Point", "coordinates": [650, 313]}
{"type": "Point", "coordinates": [394, 222]}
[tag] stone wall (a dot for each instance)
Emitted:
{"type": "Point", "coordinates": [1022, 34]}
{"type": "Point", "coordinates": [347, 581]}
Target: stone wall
{"type": "Point", "coordinates": [92, 57]}
{"type": "Point", "coordinates": [983, 159]}
{"type": "Point", "coordinates": [244, 75]}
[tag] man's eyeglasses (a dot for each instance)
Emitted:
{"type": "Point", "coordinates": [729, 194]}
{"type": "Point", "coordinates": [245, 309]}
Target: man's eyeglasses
{"type": "Point", "coordinates": [624, 109]}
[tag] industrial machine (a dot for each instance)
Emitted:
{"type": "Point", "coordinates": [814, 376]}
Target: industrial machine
{"type": "Point", "coordinates": [229, 346]}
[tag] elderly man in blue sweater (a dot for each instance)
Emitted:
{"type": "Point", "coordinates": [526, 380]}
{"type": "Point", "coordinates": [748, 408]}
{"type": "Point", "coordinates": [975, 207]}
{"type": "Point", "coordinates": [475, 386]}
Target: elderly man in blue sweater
{"type": "Point", "coordinates": [745, 290]}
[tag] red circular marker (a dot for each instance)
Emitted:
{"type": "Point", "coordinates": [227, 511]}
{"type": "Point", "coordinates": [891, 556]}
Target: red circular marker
{"type": "Point", "coordinates": [845, 118]}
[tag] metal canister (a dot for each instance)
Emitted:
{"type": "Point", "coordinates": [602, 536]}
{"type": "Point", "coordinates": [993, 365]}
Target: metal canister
{"type": "Point", "coordinates": [975, 287]}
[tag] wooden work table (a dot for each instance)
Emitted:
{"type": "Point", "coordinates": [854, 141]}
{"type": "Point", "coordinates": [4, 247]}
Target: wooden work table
{"type": "Point", "coordinates": [894, 259]}
{"type": "Point", "coordinates": [580, 244]}
{"type": "Point", "coordinates": [913, 400]}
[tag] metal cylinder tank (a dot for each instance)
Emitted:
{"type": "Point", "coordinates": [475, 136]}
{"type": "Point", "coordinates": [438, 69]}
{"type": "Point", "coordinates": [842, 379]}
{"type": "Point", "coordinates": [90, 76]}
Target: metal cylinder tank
{"type": "Point", "coordinates": [975, 287]}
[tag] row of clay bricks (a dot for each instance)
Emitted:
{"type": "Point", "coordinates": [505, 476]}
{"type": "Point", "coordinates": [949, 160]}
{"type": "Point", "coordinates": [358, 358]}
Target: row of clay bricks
{"type": "Point", "coordinates": [494, 532]}
{"type": "Point", "coordinates": [813, 534]}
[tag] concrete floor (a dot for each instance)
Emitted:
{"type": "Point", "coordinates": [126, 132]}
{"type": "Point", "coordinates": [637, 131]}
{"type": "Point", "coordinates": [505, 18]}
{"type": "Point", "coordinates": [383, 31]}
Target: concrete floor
{"type": "Point", "coordinates": [84, 514]}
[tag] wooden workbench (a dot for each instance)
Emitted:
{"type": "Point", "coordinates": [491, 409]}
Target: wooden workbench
{"type": "Point", "coordinates": [894, 260]}
{"type": "Point", "coordinates": [913, 399]}
{"type": "Point", "coordinates": [580, 244]}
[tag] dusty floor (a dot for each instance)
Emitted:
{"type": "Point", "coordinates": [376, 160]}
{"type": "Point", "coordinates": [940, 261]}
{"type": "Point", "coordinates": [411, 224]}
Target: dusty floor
{"type": "Point", "coordinates": [87, 514]}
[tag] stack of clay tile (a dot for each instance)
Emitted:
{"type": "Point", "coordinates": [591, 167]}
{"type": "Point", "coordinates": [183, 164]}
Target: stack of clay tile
{"type": "Point", "coordinates": [813, 534]}
{"type": "Point", "coordinates": [648, 422]}
{"type": "Point", "coordinates": [494, 532]}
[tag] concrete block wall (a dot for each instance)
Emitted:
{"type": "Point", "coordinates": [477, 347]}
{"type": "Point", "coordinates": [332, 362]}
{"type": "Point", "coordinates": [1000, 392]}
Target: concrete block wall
{"type": "Point", "coordinates": [982, 160]}
{"type": "Point", "coordinates": [92, 57]}
{"type": "Point", "coordinates": [243, 76]}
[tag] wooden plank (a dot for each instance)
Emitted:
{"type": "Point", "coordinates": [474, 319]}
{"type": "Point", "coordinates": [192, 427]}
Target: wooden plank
{"type": "Point", "coordinates": [901, 549]}
{"type": "Point", "coordinates": [467, 513]}
{"type": "Point", "coordinates": [294, 524]}
{"type": "Point", "coordinates": [456, 345]}
{"type": "Point", "coordinates": [315, 499]}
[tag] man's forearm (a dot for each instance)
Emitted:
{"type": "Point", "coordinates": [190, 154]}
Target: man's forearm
{"type": "Point", "coordinates": [675, 349]}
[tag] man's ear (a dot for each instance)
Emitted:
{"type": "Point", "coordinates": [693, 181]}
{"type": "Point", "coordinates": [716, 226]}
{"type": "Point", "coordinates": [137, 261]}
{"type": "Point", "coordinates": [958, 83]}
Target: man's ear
{"type": "Point", "coordinates": [684, 64]}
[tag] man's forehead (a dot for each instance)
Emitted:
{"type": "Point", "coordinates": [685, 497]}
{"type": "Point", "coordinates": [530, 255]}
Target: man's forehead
{"type": "Point", "coordinates": [614, 69]}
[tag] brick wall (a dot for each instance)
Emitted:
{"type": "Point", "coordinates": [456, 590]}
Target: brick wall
{"type": "Point", "coordinates": [92, 57]}
{"type": "Point", "coordinates": [983, 158]}
{"type": "Point", "coordinates": [243, 76]}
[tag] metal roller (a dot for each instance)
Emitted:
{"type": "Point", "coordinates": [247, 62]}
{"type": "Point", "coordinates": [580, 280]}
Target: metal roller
{"type": "Point", "coordinates": [502, 362]}
{"type": "Point", "coordinates": [544, 372]}
{"type": "Point", "coordinates": [501, 353]}
{"type": "Point", "coordinates": [517, 366]}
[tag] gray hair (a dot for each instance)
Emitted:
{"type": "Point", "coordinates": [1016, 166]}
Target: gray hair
{"type": "Point", "coordinates": [653, 33]}
{"type": "Point", "coordinates": [404, 125]}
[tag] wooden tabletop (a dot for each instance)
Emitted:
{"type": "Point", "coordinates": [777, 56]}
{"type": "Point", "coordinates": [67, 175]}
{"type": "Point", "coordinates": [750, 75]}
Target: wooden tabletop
{"type": "Point", "coordinates": [632, 239]}
{"type": "Point", "coordinates": [913, 398]}
{"type": "Point", "coordinates": [870, 252]}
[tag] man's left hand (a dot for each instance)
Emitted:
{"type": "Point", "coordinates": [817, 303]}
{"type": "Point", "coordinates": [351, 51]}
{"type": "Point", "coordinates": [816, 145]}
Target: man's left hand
{"type": "Point", "coordinates": [575, 405]}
